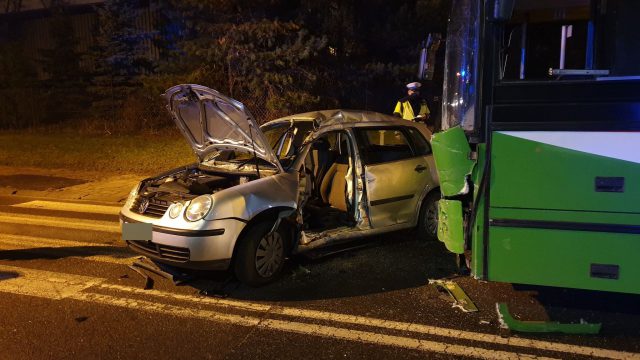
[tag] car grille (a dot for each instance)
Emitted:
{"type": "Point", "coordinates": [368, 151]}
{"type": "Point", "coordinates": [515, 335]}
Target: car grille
{"type": "Point", "coordinates": [155, 209]}
{"type": "Point", "coordinates": [168, 252]}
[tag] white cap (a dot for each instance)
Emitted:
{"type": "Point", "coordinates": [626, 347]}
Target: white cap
{"type": "Point", "coordinates": [414, 86]}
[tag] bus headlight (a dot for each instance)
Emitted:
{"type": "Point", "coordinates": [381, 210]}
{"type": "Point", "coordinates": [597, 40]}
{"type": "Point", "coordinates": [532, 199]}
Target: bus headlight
{"type": "Point", "coordinates": [198, 208]}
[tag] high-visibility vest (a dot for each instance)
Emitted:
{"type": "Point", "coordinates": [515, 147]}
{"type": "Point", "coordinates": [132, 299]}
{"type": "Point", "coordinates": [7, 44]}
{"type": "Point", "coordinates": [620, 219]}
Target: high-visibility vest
{"type": "Point", "coordinates": [405, 110]}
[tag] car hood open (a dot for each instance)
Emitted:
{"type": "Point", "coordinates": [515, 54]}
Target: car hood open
{"type": "Point", "coordinates": [211, 122]}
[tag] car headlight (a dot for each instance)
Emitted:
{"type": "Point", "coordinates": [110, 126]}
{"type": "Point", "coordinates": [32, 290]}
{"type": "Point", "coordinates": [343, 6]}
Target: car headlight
{"type": "Point", "coordinates": [132, 195]}
{"type": "Point", "coordinates": [175, 210]}
{"type": "Point", "coordinates": [198, 208]}
{"type": "Point", "coordinates": [134, 191]}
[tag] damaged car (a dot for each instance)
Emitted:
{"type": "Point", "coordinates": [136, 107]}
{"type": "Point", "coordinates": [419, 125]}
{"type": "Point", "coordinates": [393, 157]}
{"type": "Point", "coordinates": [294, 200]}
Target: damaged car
{"type": "Point", "coordinates": [257, 195]}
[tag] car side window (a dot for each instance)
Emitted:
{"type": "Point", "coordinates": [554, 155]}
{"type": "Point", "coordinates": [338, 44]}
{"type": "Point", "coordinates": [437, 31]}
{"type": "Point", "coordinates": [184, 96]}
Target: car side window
{"type": "Point", "coordinates": [420, 145]}
{"type": "Point", "coordinates": [380, 145]}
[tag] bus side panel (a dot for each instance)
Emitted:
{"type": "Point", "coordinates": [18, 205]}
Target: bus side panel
{"type": "Point", "coordinates": [565, 209]}
{"type": "Point", "coordinates": [575, 259]}
{"type": "Point", "coordinates": [582, 171]}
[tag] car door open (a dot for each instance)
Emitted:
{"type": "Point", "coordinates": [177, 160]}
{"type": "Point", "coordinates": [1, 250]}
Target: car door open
{"type": "Point", "coordinates": [396, 174]}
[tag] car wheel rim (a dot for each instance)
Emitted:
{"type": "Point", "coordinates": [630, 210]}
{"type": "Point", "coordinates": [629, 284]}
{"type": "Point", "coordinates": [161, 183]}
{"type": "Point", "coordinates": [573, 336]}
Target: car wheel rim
{"type": "Point", "coordinates": [431, 219]}
{"type": "Point", "coordinates": [269, 255]}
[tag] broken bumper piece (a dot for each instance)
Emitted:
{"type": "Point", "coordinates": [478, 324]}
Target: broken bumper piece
{"type": "Point", "coordinates": [508, 322]}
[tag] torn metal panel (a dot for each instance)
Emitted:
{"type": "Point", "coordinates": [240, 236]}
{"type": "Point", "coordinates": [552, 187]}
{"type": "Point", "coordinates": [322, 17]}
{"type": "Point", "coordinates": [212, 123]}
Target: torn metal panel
{"type": "Point", "coordinates": [452, 156]}
{"type": "Point", "coordinates": [461, 299]}
{"type": "Point", "coordinates": [508, 322]}
{"type": "Point", "coordinates": [450, 225]}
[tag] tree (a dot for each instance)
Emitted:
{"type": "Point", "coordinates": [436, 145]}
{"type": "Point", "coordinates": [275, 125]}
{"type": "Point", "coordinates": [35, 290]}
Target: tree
{"type": "Point", "coordinates": [254, 51]}
{"type": "Point", "coordinates": [65, 81]}
{"type": "Point", "coordinates": [119, 57]}
{"type": "Point", "coordinates": [373, 44]}
{"type": "Point", "coordinates": [18, 88]}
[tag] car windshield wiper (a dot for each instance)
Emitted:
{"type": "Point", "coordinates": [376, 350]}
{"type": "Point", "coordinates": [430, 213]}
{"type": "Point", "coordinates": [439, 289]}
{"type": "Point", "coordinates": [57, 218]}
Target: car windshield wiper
{"type": "Point", "coordinates": [246, 161]}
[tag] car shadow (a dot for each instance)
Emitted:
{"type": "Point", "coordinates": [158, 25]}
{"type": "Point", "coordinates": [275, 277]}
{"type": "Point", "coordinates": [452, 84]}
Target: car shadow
{"type": "Point", "coordinates": [374, 265]}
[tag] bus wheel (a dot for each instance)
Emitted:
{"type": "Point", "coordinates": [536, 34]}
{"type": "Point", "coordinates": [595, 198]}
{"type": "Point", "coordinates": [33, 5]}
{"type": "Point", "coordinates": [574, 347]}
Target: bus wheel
{"type": "Point", "coordinates": [428, 218]}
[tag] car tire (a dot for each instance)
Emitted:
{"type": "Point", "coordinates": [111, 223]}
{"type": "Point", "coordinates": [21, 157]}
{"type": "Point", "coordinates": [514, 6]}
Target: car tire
{"type": "Point", "coordinates": [428, 218]}
{"type": "Point", "coordinates": [261, 254]}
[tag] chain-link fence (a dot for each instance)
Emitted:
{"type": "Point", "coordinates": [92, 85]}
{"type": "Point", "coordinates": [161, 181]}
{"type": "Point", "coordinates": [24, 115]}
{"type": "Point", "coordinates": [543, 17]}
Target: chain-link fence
{"type": "Point", "coordinates": [256, 103]}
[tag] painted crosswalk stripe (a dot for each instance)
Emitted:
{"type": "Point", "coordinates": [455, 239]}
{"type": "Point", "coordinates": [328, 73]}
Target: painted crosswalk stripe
{"type": "Point", "coordinates": [56, 286]}
{"type": "Point", "coordinates": [99, 252]}
{"type": "Point", "coordinates": [59, 222]}
{"type": "Point", "coordinates": [69, 206]}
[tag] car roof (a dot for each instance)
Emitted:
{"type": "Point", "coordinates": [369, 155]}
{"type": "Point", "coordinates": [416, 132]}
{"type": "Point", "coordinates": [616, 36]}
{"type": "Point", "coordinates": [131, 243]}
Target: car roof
{"type": "Point", "coordinates": [341, 116]}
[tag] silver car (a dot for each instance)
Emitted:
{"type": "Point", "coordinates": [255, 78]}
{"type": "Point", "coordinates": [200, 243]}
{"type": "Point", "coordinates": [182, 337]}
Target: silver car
{"type": "Point", "coordinates": [259, 194]}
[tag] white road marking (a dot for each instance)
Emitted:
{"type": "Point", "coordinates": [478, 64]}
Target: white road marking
{"type": "Point", "coordinates": [56, 286]}
{"type": "Point", "coordinates": [69, 206]}
{"type": "Point", "coordinates": [103, 252]}
{"type": "Point", "coordinates": [43, 284]}
{"type": "Point", "coordinates": [59, 222]}
{"type": "Point", "coordinates": [388, 324]}
{"type": "Point", "coordinates": [195, 299]}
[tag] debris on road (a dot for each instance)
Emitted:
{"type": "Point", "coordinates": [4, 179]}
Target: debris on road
{"type": "Point", "coordinates": [508, 322]}
{"type": "Point", "coordinates": [460, 298]}
{"type": "Point", "coordinates": [301, 271]}
{"type": "Point", "coordinates": [166, 271]}
{"type": "Point", "coordinates": [148, 280]}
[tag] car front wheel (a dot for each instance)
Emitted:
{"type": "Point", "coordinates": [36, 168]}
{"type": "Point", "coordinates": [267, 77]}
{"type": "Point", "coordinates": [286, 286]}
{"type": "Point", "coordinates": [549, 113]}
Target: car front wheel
{"type": "Point", "coordinates": [428, 219]}
{"type": "Point", "coordinates": [260, 255]}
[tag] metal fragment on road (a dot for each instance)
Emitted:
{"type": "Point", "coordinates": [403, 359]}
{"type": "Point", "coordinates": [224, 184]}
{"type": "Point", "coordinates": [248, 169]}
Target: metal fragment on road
{"type": "Point", "coordinates": [509, 322]}
{"type": "Point", "coordinates": [460, 299]}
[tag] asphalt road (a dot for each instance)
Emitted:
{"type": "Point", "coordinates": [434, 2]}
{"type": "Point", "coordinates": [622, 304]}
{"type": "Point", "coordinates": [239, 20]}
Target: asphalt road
{"type": "Point", "coordinates": [66, 292]}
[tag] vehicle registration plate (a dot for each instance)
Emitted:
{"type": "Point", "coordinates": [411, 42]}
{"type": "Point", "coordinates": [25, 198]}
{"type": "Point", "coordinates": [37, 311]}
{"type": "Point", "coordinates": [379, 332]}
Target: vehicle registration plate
{"type": "Point", "coordinates": [136, 231]}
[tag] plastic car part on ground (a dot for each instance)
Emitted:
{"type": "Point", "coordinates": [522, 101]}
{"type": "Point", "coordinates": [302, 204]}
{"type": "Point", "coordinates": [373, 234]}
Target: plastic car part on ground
{"type": "Point", "coordinates": [508, 322]}
{"type": "Point", "coordinates": [460, 298]}
{"type": "Point", "coordinates": [166, 271]}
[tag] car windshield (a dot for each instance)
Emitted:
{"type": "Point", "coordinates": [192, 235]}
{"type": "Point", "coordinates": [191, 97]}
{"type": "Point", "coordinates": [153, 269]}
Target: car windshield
{"type": "Point", "coordinates": [286, 138]}
{"type": "Point", "coordinates": [283, 138]}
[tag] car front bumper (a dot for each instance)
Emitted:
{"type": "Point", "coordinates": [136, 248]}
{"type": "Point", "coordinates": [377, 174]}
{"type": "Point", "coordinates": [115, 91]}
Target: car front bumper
{"type": "Point", "coordinates": [206, 249]}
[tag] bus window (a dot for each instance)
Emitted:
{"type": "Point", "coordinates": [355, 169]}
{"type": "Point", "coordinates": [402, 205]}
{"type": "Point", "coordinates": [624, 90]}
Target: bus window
{"type": "Point", "coordinates": [571, 39]}
{"type": "Point", "coordinates": [459, 96]}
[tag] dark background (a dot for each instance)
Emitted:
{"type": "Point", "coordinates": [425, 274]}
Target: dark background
{"type": "Point", "coordinates": [107, 63]}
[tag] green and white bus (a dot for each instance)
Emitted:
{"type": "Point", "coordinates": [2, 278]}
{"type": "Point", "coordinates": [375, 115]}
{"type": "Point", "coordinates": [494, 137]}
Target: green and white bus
{"type": "Point", "coordinates": [539, 157]}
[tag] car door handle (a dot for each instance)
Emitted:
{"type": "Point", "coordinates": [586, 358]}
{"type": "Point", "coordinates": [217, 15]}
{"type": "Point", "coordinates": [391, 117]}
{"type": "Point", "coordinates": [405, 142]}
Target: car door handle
{"type": "Point", "coordinates": [420, 168]}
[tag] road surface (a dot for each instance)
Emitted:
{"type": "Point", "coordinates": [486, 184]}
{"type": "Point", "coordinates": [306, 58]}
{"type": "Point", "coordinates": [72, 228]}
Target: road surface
{"type": "Point", "coordinates": [66, 292]}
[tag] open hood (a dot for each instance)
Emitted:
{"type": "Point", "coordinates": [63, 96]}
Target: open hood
{"type": "Point", "coordinates": [211, 121]}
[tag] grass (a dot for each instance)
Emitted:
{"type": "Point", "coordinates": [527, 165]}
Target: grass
{"type": "Point", "coordinates": [116, 154]}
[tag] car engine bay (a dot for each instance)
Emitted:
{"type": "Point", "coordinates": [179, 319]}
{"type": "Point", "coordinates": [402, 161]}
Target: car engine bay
{"type": "Point", "coordinates": [157, 194]}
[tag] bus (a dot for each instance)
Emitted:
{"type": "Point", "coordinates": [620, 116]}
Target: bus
{"type": "Point", "coordinates": [539, 153]}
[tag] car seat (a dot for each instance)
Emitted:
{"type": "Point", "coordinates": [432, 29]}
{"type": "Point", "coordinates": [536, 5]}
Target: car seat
{"type": "Point", "coordinates": [334, 184]}
{"type": "Point", "coordinates": [322, 158]}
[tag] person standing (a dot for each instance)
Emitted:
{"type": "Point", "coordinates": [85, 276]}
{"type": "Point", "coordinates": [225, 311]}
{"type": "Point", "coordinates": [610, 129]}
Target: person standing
{"type": "Point", "coordinates": [412, 107]}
